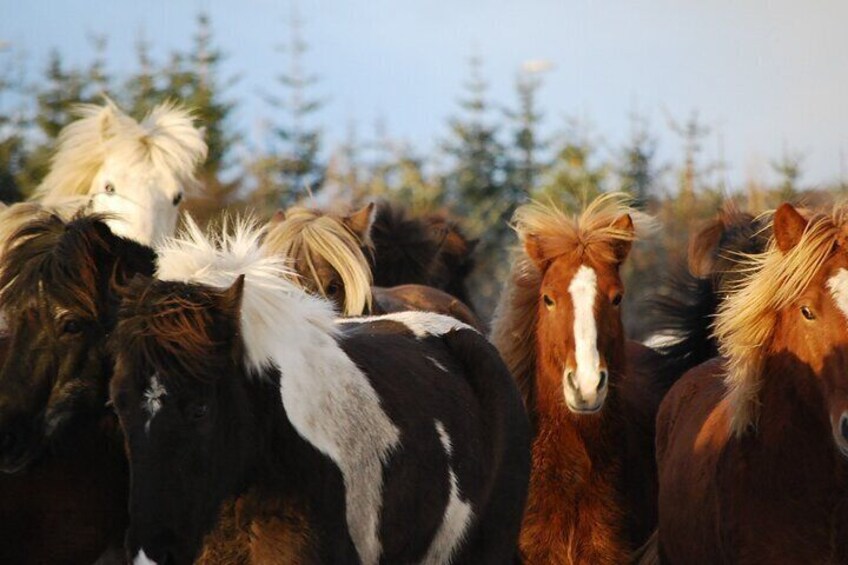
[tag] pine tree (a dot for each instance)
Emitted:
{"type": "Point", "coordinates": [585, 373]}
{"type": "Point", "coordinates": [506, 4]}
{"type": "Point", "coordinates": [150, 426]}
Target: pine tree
{"type": "Point", "coordinates": [575, 177]}
{"type": "Point", "coordinates": [789, 170]}
{"type": "Point", "coordinates": [300, 170]}
{"type": "Point", "coordinates": [527, 144]}
{"type": "Point", "coordinates": [637, 171]}
{"type": "Point", "coordinates": [13, 125]}
{"type": "Point", "coordinates": [475, 182]}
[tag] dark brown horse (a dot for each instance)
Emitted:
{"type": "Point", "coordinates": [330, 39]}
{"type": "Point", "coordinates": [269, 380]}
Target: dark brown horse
{"type": "Point", "coordinates": [330, 252]}
{"type": "Point", "coordinates": [752, 446]}
{"type": "Point", "coordinates": [64, 484]}
{"type": "Point", "coordinates": [559, 329]}
{"type": "Point", "coordinates": [398, 438]}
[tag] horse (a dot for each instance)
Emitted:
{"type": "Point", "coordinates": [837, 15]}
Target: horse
{"type": "Point", "coordinates": [684, 313]}
{"type": "Point", "coordinates": [429, 250]}
{"type": "Point", "coordinates": [558, 327]}
{"type": "Point", "coordinates": [233, 383]}
{"type": "Point", "coordinates": [752, 446]}
{"type": "Point", "coordinates": [64, 481]}
{"type": "Point", "coordinates": [330, 253]}
{"type": "Point", "coordinates": [135, 172]}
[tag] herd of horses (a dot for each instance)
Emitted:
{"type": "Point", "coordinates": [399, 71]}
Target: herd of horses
{"type": "Point", "coordinates": [317, 388]}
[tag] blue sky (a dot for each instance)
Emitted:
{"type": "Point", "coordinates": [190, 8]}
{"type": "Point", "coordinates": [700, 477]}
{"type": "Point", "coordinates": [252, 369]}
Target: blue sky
{"type": "Point", "coordinates": [765, 74]}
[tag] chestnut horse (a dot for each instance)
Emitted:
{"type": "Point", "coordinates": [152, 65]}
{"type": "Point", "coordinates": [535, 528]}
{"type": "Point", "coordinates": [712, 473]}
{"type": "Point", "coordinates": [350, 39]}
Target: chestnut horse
{"type": "Point", "coordinates": [391, 439]}
{"type": "Point", "coordinates": [64, 484]}
{"type": "Point", "coordinates": [558, 327]}
{"type": "Point", "coordinates": [330, 253]}
{"type": "Point", "coordinates": [752, 446]}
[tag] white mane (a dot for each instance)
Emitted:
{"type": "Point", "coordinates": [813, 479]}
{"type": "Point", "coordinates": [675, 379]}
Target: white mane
{"type": "Point", "coordinates": [165, 140]}
{"type": "Point", "coordinates": [276, 315]}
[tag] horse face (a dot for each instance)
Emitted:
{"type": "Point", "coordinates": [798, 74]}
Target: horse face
{"type": "Point", "coordinates": [323, 281]}
{"type": "Point", "coordinates": [815, 327]}
{"type": "Point", "coordinates": [189, 434]}
{"type": "Point", "coordinates": [579, 320]}
{"type": "Point", "coordinates": [57, 375]}
{"type": "Point", "coordinates": [144, 204]}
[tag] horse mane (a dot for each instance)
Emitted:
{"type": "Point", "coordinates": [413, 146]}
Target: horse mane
{"type": "Point", "coordinates": [685, 311]}
{"type": "Point", "coordinates": [591, 232]}
{"type": "Point", "coordinates": [307, 233]}
{"type": "Point", "coordinates": [165, 140]}
{"type": "Point", "coordinates": [771, 280]}
{"type": "Point", "coordinates": [47, 248]}
{"type": "Point", "coordinates": [277, 316]}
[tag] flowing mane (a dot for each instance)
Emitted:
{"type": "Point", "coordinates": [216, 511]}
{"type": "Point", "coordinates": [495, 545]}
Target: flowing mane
{"type": "Point", "coordinates": [591, 233]}
{"type": "Point", "coordinates": [165, 140]}
{"type": "Point", "coordinates": [277, 317]}
{"type": "Point", "coordinates": [745, 321]}
{"type": "Point", "coordinates": [306, 233]}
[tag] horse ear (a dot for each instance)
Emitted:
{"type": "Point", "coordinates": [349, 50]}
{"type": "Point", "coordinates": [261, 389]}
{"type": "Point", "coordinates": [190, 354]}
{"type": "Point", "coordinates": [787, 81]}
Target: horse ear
{"type": "Point", "coordinates": [703, 247]}
{"type": "Point", "coordinates": [623, 224]}
{"type": "Point", "coordinates": [535, 250]}
{"type": "Point", "coordinates": [107, 120]}
{"type": "Point", "coordinates": [789, 226]}
{"type": "Point", "coordinates": [360, 222]}
{"type": "Point", "coordinates": [279, 216]}
{"type": "Point", "coordinates": [230, 300]}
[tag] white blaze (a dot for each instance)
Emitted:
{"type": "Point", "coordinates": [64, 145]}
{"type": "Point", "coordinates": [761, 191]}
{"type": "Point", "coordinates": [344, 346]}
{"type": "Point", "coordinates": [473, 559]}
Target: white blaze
{"type": "Point", "coordinates": [142, 559]}
{"type": "Point", "coordinates": [153, 400]}
{"type": "Point", "coordinates": [838, 286]}
{"type": "Point", "coordinates": [583, 289]}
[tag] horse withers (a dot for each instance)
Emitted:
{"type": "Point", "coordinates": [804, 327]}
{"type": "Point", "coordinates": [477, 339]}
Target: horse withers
{"type": "Point", "coordinates": [752, 446]}
{"type": "Point", "coordinates": [397, 438]}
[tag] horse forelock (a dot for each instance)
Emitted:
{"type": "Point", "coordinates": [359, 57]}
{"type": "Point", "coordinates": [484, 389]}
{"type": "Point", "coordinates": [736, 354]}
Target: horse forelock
{"type": "Point", "coordinates": [48, 258]}
{"type": "Point", "coordinates": [305, 234]}
{"type": "Point", "coordinates": [276, 316]}
{"type": "Point", "coordinates": [769, 282]}
{"type": "Point", "coordinates": [167, 142]}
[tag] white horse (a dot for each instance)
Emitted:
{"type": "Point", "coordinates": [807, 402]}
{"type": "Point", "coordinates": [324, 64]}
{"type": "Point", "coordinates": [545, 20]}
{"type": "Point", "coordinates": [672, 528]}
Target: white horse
{"type": "Point", "coordinates": [135, 172]}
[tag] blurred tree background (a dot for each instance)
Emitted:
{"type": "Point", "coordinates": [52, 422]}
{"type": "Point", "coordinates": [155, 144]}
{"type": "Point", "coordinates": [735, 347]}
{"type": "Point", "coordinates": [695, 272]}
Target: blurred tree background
{"type": "Point", "coordinates": [490, 158]}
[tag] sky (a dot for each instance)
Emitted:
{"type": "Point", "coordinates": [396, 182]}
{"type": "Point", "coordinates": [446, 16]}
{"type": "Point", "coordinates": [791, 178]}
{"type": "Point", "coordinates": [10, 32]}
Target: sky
{"type": "Point", "coordinates": [767, 76]}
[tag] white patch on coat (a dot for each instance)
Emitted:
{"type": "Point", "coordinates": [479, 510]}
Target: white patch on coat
{"type": "Point", "coordinates": [153, 400]}
{"type": "Point", "coordinates": [444, 438]}
{"type": "Point", "coordinates": [327, 398]}
{"type": "Point", "coordinates": [583, 290]}
{"type": "Point", "coordinates": [437, 364]}
{"type": "Point", "coordinates": [422, 324]}
{"type": "Point", "coordinates": [838, 286]}
{"type": "Point", "coordinates": [457, 517]}
{"type": "Point", "coordinates": [142, 559]}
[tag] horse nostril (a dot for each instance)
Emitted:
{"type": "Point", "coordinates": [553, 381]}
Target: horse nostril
{"type": "Point", "coordinates": [843, 426]}
{"type": "Point", "coordinates": [602, 380]}
{"type": "Point", "coordinates": [569, 378]}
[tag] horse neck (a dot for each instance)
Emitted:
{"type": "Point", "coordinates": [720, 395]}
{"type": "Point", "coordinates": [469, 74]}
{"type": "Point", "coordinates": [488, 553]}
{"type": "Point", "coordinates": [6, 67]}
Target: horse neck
{"type": "Point", "coordinates": [557, 423]}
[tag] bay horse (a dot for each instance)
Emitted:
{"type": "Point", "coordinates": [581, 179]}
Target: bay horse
{"type": "Point", "coordinates": [390, 439]}
{"type": "Point", "coordinates": [136, 172]}
{"type": "Point", "coordinates": [330, 253]}
{"type": "Point", "coordinates": [684, 313]}
{"type": "Point", "coordinates": [558, 327]}
{"type": "Point", "coordinates": [752, 446]}
{"type": "Point", "coordinates": [64, 480]}
{"type": "Point", "coordinates": [429, 250]}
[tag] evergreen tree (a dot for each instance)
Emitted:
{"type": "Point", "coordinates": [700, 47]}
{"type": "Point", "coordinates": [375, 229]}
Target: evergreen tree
{"type": "Point", "coordinates": [789, 170]}
{"type": "Point", "coordinates": [575, 177]}
{"type": "Point", "coordinates": [300, 170]}
{"type": "Point", "coordinates": [13, 125]}
{"type": "Point", "coordinates": [527, 144]}
{"type": "Point", "coordinates": [638, 174]}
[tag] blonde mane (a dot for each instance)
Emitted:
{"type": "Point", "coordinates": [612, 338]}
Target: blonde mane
{"type": "Point", "coordinates": [278, 319]}
{"type": "Point", "coordinates": [591, 232]}
{"type": "Point", "coordinates": [306, 233]}
{"type": "Point", "coordinates": [745, 321]}
{"type": "Point", "coordinates": [166, 140]}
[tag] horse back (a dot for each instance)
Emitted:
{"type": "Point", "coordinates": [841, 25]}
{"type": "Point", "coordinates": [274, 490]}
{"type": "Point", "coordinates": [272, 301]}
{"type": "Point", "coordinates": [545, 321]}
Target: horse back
{"type": "Point", "coordinates": [464, 440]}
{"type": "Point", "coordinates": [424, 299]}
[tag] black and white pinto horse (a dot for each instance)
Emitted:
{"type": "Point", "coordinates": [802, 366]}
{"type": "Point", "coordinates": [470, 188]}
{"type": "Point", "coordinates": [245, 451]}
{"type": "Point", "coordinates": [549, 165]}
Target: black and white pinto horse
{"type": "Point", "coordinates": [396, 439]}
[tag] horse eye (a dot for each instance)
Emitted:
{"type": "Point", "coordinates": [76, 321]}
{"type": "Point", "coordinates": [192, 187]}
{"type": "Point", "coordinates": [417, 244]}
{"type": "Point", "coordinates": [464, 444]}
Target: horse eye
{"type": "Point", "coordinates": [332, 289]}
{"type": "Point", "coordinates": [807, 313]}
{"type": "Point", "coordinates": [616, 300]}
{"type": "Point", "coordinates": [198, 410]}
{"type": "Point", "coordinates": [109, 188]}
{"type": "Point", "coordinates": [178, 198]}
{"type": "Point", "coordinates": [71, 327]}
{"type": "Point", "coordinates": [549, 302]}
